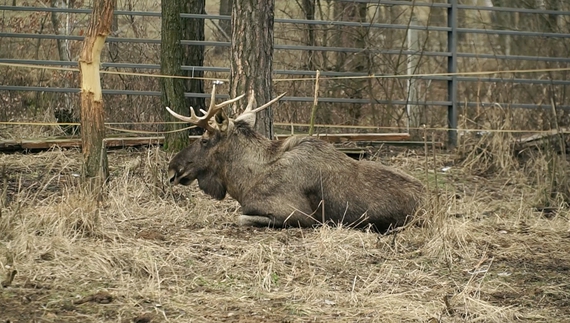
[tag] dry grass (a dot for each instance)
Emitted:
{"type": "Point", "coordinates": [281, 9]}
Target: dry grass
{"type": "Point", "coordinates": [481, 253]}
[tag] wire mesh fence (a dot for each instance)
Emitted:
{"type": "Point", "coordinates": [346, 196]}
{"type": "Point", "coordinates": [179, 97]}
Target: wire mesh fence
{"type": "Point", "coordinates": [395, 65]}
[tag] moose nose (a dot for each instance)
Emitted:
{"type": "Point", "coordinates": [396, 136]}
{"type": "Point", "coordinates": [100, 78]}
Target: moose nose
{"type": "Point", "coordinates": [172, 180]}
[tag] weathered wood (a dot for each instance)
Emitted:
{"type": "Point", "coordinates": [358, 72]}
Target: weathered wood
{"type": "Point", "coordinates": [541, 139]}
{"type": "Point", "coordinates": [49, 143]}
{"type": "Point", "coordinates": [121, 142]}
{"type": "Point", "coordinates": [92, 117]}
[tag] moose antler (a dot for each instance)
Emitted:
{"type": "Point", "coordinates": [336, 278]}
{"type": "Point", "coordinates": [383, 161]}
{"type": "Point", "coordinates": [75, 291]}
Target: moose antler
{"type": "Point", "coordinates": [202, 122]}
{"type": "Point", "coordinates": [248, 108]}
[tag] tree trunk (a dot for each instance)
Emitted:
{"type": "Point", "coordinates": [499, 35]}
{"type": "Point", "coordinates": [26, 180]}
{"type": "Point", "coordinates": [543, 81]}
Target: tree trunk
{"type": "Point", "coordinates": [172, 56]}
{"type": "Point", "coordinates": [309, 11]}
{"type": "Point", "coordinates": [252, 56]}
{"type": "Point", "coordinates": [193, 29]}
{"type": "Point", "coordinates": [352, 37]}
{"type": "Point", "coordinates": [92, 118]}
{"type": "Point", "coordinates": [226, 25]}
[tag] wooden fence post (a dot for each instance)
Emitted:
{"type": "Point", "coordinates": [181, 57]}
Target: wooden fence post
{"type": "Point", "coordinates": [414, 110]}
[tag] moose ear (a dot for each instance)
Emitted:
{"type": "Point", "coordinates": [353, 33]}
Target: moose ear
{"type": "Point", "coordinates": [222, 120]}
{"type": "Point", "coordinates": [248, 117]}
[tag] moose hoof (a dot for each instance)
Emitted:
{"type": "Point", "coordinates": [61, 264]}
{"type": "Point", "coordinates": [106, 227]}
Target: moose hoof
{"type": "Point", "coordinates": [254, 221]}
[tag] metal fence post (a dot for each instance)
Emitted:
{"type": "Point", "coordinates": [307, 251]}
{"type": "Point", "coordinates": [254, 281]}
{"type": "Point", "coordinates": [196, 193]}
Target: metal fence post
{"type": "Point", "coordinates": [452, 68]}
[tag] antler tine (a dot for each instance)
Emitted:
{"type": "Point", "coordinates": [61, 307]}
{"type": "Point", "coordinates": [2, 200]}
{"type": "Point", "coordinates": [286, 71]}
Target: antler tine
{"type": "Point", "coordinates": [192, 119]}
{"type": "Point", "coordinates": [230, 101]}
{"type": "Point", "coordinates": [250, 101]}
{"type": "Point", "coordinates": [269, 103]}
{"type": "Point", "coordinates": [214, 108]}
{"type": "Point", "coordinates": [202, 122]}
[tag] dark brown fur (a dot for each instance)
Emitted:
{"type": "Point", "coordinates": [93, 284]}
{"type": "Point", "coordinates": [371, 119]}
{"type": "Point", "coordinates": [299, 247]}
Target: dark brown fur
{"type": "Point", "coordinates": [299, 181]}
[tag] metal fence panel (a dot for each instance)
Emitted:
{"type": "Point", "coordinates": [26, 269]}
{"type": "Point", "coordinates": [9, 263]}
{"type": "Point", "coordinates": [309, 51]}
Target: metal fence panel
{"type": "Point", "coordinates": [454, 60]}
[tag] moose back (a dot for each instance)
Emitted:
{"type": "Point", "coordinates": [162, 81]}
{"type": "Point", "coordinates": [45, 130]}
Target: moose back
{"type": "Point", "coordinates": [300, 181]}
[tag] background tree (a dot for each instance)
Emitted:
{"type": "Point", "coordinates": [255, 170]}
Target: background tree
{"type": "Point", "coordinates": [252, 55]}
{"type": "Point", "coordinates": [351, 37]}
{"type": "Point", "coordinates": [308, 7]}
{"type": "Point", "coordinates": [173, 56]}
{"type": "Point", "coordinates": [226, 25]}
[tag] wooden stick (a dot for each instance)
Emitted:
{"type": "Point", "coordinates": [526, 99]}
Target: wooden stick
{"type": "Point", "coordinates": [315, 104]}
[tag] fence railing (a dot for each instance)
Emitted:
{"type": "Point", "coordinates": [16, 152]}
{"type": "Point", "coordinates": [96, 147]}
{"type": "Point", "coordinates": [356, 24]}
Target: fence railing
{"type": "Point", "coordinates": [551, 64]}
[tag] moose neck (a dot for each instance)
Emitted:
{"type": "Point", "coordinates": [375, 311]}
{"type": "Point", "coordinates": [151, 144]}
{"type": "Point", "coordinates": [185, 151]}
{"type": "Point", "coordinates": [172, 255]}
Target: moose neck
{"type": "Point", "coordinates": [245, 160]}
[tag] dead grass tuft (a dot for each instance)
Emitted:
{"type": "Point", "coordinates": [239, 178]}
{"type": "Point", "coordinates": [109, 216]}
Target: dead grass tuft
{"type": "Point", "coordinates": [490, 151]}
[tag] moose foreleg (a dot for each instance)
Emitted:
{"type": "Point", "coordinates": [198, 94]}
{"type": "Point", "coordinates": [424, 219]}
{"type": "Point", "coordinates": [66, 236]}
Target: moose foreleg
{"type": "Point", "coordinates": [276, 212]}
{"type": "Point", "coordinates": [274, 221]}
{"type": "Point", "coordinates": [256, 221]}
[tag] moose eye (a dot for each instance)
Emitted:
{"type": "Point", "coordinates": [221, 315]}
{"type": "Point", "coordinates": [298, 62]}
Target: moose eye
{"type": "Point", "coordinates": [203, 141]}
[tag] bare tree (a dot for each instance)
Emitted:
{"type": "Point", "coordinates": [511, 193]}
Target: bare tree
{"type": "Point", "coordinates": [252, 55]}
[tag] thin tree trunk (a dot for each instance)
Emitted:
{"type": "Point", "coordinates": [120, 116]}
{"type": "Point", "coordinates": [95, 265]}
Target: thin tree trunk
{"type": "Point", "coordinates": [226, 25]}
{"type": "Point", "coordinates": [352, 37]}
{"type": "Point", "coordinates": [193, 29]}
{"type": "Point", "coordinates": [114, 49]}
{"type": "Point", "coordinates": [61, 45]}
{"type": "Point", "coordinates": [173, 56]}
{"type": "Point", "coordinates": [65, 114]}
{"type": "Point", "coordinates": [92, 118]}
{"type": "Point", "coordinates": [252, 56]}
{"type": "Point", "coordinates": [309, 10]}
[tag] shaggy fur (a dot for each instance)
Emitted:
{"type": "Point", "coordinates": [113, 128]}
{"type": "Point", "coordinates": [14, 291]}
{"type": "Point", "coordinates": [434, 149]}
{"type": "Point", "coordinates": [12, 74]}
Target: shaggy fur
{"type": "Point", "coordinates": [300, 181]}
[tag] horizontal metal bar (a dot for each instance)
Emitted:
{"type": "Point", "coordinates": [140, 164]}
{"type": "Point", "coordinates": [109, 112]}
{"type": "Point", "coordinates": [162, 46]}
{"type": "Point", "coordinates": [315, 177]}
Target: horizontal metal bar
{"type": "Point", "coordinates": [516, 57]}
{"type": "Point", "coordinates": [512, 33]}
{"type": "Point", "coordinates": [324, 49]}
{"type": "Point", "coordinates": [220, 96]}
{"type": "Point", "coordinates": [512, 80]}
{"type": "Point", "coordinates": [299, 47]}
{"type": "Point", "coordinates": [214, 69]}
{"type": "Point", "coordinates": [461, 6]}
{"type": "Point", "coordinates": [288, 98]}
{"type": "Point", "coordinates": [80, 38]}
{"type": "Point", "coordinates": [75, 90]}
{"type": "Point", "coordinates": [515, 105]}
{"type": "Point", "coordinates": [401, 3]}
{"type": "Point", "coordinates": [381, 2]}
{"type": "Point", "coordinates": [309, 22]}
{"type": "Point", "coordinates": [85, 11]}
{"type": "Point", "coordinates": [513, 10]}
{"type": "Point", "coordinates": [325, 23]}
{"type": "Point", "coordinates": [349, 23]}
{"type": "Point", "coordinates": [73, 10]}
{"type": "Point", "coordinates": [227, 44]}
{"type": "Point", "coordinates": [227, 17]}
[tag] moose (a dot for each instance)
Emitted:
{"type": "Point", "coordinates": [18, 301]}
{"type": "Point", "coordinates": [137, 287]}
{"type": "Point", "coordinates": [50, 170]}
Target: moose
{"type": "Point", "coordinates": [297, 182]}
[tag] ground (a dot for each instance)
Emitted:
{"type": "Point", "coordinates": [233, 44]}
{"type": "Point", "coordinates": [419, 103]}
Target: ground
{"type": "Point", "coordinates": [142, 251]}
